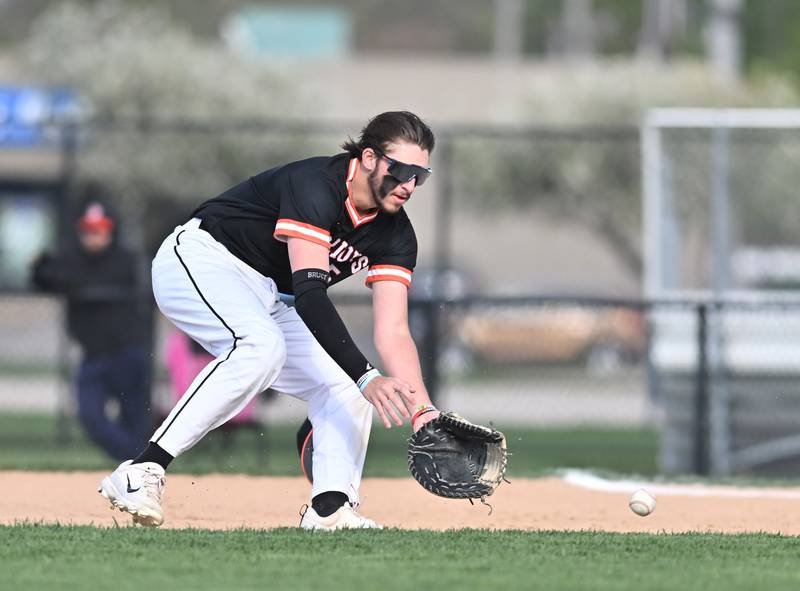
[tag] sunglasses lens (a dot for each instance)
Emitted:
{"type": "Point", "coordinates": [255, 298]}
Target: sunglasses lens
{"type": "Point", "coordinates": [405, 172]}
{"type": "Point", "coordinates": [422, 176]}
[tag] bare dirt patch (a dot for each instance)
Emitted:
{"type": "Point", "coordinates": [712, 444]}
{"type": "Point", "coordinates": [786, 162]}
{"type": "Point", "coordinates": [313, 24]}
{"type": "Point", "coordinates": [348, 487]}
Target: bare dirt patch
{"type": "Point", "coordinates": [225, 502]}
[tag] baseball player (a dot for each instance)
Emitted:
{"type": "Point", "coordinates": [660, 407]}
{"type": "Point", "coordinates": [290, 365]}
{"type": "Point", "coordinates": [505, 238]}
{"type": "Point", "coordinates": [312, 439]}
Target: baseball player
{"type": "Point", "coordinates": [295, 229]}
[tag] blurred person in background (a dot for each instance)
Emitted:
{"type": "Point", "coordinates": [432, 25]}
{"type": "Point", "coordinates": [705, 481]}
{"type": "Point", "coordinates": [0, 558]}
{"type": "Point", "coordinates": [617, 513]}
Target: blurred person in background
{"type": "Point", "coordinates": [100, 280]}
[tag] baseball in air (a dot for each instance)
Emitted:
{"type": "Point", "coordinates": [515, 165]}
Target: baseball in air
{"type": "Point", "coordinates": [642, 503]}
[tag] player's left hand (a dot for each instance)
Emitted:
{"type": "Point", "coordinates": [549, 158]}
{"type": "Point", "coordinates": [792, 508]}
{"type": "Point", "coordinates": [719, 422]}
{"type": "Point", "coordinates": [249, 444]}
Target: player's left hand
{"type": "Point", "coordinates": [454, 458]}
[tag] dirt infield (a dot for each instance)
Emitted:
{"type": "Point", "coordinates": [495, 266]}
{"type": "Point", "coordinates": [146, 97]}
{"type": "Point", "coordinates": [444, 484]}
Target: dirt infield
{"type": "Point", "coordinates": [223, 502]}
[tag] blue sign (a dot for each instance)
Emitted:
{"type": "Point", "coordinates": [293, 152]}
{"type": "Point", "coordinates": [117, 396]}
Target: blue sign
{"type": "Point", "coordinates": [26, 111]}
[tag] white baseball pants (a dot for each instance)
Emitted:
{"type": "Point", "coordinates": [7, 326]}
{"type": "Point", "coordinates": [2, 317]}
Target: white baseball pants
{"type": "Point", "coordinates": [234, 313]}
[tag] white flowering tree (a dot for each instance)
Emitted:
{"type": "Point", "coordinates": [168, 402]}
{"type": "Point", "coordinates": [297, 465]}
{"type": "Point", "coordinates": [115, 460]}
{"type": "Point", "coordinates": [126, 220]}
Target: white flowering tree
{"type": "Point", "coordinates": [136, 69]}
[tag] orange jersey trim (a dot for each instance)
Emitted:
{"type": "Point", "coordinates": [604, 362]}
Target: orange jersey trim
{"type": "Point", "coordinates": [288, 233]}
{"type": "Point", "coordinates": [389, 273]}
{"type": "Point", "coordinates": [286, 227]}
{"type": "Point", "coordinates": [348, 203]}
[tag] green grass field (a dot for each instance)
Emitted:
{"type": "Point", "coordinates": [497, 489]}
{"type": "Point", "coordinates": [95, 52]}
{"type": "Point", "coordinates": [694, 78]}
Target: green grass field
{"type": "Point", "coordinates": [36, 557]}
{"type": "Point", "coordinates": [30, 442]}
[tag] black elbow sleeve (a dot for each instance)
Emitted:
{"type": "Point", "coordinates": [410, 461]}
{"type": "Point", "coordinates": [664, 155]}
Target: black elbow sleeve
{"type": "Point", "coordinates": [320, 316]}
{"type": "Point", "coordinates": [306, 280]}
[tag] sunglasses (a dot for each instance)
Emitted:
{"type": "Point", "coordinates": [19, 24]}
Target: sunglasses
{"type": "Point", "coordinates": [403, 172]}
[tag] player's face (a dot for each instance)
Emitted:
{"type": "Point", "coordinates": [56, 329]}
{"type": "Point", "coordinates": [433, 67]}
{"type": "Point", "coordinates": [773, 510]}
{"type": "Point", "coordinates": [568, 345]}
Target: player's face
{"type": "Point", "coordinates": [95, 240]}
{"type": "Point", "coordinates": [388, 193]}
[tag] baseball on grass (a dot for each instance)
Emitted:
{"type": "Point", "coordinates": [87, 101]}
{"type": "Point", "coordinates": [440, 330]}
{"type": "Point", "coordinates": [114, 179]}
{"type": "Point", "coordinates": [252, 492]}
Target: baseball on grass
{"type": "Point", "coordinates": [642, 502]}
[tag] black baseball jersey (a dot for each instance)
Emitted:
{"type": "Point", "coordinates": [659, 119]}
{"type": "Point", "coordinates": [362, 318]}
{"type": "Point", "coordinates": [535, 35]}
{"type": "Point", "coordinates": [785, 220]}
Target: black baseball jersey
{"type": "Point", "coordinates": [310, 199]}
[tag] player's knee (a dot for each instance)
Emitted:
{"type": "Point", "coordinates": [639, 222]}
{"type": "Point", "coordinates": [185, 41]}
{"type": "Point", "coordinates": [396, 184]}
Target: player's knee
{"type": "Point", "coordinates": [271, 349]}
{"type": "Point", "coordinates": [265, 352]}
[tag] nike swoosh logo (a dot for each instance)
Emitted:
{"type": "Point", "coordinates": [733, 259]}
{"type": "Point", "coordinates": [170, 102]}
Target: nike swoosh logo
{"type": "Point", "coordinates": [131, 490]}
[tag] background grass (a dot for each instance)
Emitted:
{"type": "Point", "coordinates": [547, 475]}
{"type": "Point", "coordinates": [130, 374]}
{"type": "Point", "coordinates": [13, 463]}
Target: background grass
{"type": "Point", "coordinates": [31, 442]}
{"type": "Point", "coordinates": [39, 557]}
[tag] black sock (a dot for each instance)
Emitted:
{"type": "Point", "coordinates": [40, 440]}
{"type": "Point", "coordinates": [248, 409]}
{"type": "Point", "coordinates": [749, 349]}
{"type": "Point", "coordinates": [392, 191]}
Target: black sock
{"type": "Point", "coordinates": [329, 502]}
{"type": "Point", "coordinates": [154, 453]}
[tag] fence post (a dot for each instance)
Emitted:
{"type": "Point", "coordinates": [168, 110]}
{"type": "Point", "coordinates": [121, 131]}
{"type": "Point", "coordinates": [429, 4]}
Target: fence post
{"type": "Point", "coordinates": [701, 399]}
{"type": "Point", "coordinates": [68, 146]}
{"type": "Point", "coordinates": [424, 321]}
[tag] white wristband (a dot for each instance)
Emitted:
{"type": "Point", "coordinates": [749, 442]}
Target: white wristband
{"type": "Point", "coordinates": [367, 378]}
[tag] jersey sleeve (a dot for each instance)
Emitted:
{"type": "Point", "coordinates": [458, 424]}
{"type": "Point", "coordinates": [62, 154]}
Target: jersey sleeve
{"type": "Point", "coordinates": [308, 209]}
{"type": "Point", "coordinates": [399, 260]}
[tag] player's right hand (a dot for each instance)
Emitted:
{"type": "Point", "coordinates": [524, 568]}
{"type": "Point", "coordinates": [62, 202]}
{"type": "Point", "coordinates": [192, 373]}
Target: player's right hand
{"type": "Point", "coordinates": [390, 397]}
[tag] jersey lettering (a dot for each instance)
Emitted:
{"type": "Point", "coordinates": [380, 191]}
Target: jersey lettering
{"type": "Point", "coordinates": [342, 252]}
{"type": "Point", "coordinates": [359, 264]}
{"type": "Point", "coordinates": [336, 247]}
{"type": "Point", "coordinates": [346, 254]}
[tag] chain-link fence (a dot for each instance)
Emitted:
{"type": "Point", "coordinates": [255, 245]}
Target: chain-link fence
{"type": "Point", "coordinates": [723, 375]}
{"type": "Point", "coordinates": [523, 362]}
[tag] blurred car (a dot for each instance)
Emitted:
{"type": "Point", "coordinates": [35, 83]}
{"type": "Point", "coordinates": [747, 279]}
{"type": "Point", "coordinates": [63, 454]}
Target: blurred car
{"type": "Point", "coordinates": [602, 339]}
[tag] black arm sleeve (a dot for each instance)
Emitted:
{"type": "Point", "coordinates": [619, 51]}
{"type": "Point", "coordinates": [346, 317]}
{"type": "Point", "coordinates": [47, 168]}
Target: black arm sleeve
{"type": "Point", "coordinates": [317, 311]}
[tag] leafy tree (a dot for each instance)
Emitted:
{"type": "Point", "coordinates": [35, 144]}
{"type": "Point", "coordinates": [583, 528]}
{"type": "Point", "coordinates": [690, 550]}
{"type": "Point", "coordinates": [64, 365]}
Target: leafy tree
{"type": "Point", "coordinates": [592, 177]}
{"type": "Point", "coordinates": [134, 67]}
{"type": "Point", "coordinates": [771, 32]}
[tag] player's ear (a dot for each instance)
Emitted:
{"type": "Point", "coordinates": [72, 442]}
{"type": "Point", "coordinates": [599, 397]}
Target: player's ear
{"type": "Point", "coordinates": [369, 159]}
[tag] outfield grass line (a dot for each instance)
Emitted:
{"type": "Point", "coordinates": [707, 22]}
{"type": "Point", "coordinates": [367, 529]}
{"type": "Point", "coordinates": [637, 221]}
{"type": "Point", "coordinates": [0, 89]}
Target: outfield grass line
{"type": "Point", "coordinates": [590, 481]}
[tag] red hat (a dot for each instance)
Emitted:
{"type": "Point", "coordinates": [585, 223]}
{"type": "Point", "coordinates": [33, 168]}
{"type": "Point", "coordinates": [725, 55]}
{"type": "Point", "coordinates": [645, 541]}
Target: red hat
{"type": "Point", "coordinates": [95, 218]}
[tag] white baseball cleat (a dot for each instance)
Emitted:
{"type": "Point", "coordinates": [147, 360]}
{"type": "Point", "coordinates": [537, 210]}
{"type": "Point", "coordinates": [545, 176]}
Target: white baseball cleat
{"type": "Point", "coordinates": [344, 518]}
{"type": "Point", "coordinates": [136, 489]}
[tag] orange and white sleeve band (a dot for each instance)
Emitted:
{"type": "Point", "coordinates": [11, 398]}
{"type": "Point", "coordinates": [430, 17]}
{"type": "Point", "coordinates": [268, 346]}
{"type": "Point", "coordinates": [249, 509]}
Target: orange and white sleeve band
{"type": "Point", "coordinates": [389, 273]}
{"type": "Point", "coordinates": [285, 228]}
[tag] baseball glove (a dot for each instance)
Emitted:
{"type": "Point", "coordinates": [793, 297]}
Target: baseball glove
{"type": "Point", "coordinates": [453, 458]}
